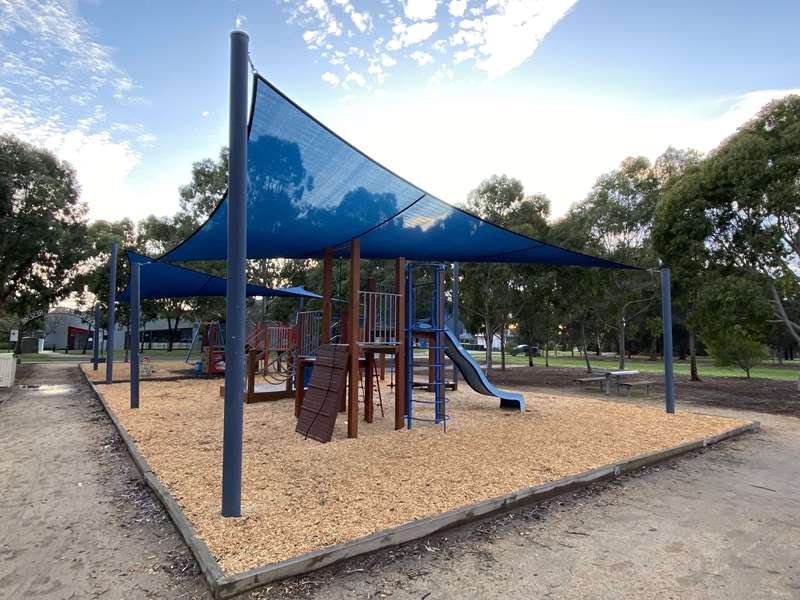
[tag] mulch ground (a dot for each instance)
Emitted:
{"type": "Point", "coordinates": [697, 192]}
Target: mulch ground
{"type": "Point", "coordinates": [300, 495]}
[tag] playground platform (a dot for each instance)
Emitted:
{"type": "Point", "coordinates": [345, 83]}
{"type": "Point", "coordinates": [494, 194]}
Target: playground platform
{"type": "Point", "coordinates": [301, 496]}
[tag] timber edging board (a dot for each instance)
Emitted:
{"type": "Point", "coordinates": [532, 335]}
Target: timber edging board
{"type": "Point", "coordinates": [227, 586]}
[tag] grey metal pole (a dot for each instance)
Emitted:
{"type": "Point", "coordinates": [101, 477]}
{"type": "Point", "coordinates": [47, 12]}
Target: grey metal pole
{"type": "Point", "coordinates": [666, 318]}
{"type": "Point", "coordinates": [112, 302]}
{"type": "Point", "coordinates": [456, 314]}
{"type": "Point", "coordinates": [235, 296]}
{"type": "Point", "coordinates": [135, 310]}
{"type": "Point", "coordinates": [96, 339]}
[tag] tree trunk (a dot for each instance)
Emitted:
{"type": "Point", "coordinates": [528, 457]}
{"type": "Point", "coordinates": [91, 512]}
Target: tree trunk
{"type": "Point", "coordinates": [489, 337]}
{"type": "Point", "coordinates": [547, 342]}
{"type": "Point", "coordinates": [530, 356]}
{"type": "Point", "coordinates": [780, 311]}
{"type": "Point", "coordinates": [583, 345]}
{"type": "Point", "coordinates": [599, 351]}
{"type": "Point", "coordinates": [693, 357]}
{"type": "Point", "coordinates": [503, 347]}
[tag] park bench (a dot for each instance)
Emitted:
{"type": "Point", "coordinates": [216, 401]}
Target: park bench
{"type": "Point", "coordinates": [632, 384]}
{"type": "Point", "coordinates": [601, 379]}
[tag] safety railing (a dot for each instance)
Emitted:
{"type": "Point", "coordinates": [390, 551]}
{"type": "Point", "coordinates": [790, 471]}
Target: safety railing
{"type": "Point", "coordinates": [269, 334]}
{"type": "Point", "coordinates": [309, 324]}
{"type": "Point", "coordinates": [378, 317]}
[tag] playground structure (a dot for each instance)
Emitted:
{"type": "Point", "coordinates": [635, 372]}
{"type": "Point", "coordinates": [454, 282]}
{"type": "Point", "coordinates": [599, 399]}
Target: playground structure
{"type": "Point", "coordinates": [355, 505]}
{"type": "Point", "coordinates": [313, 195]}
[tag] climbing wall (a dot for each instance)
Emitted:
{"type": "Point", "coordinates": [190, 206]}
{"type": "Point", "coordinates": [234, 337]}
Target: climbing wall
{"type": "Point", "coordinates": [325, 391]}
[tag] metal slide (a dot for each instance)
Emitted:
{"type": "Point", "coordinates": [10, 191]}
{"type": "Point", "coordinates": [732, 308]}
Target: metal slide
{"type": "Point", "coordinates": [473, 374]}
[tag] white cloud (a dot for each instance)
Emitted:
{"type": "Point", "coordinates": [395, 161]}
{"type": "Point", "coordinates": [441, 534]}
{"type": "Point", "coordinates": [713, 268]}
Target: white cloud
{"type": "Point", "coordinates": [205, 114]}
{"type": "Point", "coordinates": [387, 61]}
{"type": "Point", "coordinates": [420, 10]}
{"type": "Point", "coordinates": [504, 33]}
{"type": "Point", "coordinates": [457, 7]}
{"type": "Point", "coordinates": [408, 35]}
{"type": "Point", "coordinates": [421, 58]}
{"type": "Point", "coordinates": [331, 78]}
{"type": "Point", "coordinates": [356, 78]}
{"type": "Point", "coordinates": [467, 37]}
{"type": "Point", "coordinates": [512, 34]}
{"type": "Point", "coordinates": [313, 39]}
{"type": "Point", "coordinates": [463, 55]}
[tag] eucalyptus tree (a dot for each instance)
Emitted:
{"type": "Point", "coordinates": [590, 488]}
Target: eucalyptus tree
{"type": "Point", "coordinates": [43, 223]}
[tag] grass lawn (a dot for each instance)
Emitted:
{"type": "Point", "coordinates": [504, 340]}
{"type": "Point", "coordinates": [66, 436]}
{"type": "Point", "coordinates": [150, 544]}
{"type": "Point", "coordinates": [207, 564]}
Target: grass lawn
{"type": "Point", "coordinates": [788, 372]}
{"type": "Point", "coordinates": [119, 356]}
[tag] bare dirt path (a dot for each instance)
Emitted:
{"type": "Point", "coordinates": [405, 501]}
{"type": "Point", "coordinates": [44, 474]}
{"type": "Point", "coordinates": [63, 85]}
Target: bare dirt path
{"type": "Point", "coordinates": [724, 523]}
{"type": "Point", "coordinates": [75, 522]}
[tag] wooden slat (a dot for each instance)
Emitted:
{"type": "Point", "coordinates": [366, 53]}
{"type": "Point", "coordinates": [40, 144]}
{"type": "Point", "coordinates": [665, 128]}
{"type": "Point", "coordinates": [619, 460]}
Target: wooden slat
{"type": "Point", "coordinates": [325, 389]}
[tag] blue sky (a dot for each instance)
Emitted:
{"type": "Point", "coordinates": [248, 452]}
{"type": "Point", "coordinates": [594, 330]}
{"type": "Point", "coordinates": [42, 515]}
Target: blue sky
{"type": "Point", "coordinates": [554, 92]}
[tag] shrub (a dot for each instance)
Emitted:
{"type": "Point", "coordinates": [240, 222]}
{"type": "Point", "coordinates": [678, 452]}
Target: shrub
{"type": "Point", "coordinates": [734, 347]}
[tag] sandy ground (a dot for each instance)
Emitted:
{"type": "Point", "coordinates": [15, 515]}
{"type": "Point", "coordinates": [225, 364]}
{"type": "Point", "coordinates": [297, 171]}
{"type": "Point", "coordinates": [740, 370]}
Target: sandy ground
{"type": "Point", "coordinates": [300, 495]}
{"type": "Point", "coordinates": [75, 522]}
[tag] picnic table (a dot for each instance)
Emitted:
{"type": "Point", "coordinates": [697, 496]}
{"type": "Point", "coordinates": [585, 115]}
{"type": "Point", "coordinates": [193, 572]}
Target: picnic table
{"type": "Point", "coordinates": [619, 376]}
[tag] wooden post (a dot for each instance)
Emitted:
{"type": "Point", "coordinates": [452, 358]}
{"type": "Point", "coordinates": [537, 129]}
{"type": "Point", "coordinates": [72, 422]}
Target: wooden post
{"type": "Point", "coordinates": [266, 349]}
{"type": "Point", "coordinates": [400, 352]}
{"type": "Point", "coordinates": [369, 375]}
{"type": "Point", "coordinates": [299, 392]}
{"type": "Point", "coordinates": [327, 293]}
{"type": "Point", "coordinates": [355, 284]}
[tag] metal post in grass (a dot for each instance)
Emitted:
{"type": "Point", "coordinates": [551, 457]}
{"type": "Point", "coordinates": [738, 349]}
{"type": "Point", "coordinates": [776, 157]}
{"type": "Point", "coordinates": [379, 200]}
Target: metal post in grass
{"type": "Point", "coordinates": [96, 339]}
{"type": "Point", "coordinates": [456, 314]}
{"type": "Point", "coordinates": [235, 295]}
{"type": "Point", "coordinates": [666, 318]}
{"type": "Point", "coordinates": [135, 309]}
{"type": "Point", "coordinates": [112, 306]}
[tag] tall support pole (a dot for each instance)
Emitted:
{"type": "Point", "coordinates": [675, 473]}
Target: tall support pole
{"type": "Point", "coordinates": [666, 318]}
{"type": "Point", "coordinates": [327, 293]}
{"type": "Point", "coordinates": [96, 339]}
{"type": "Point", "coordinates": [409, 344]}
{"type": "Point", "coordinates": [402, 347]}
{"type": "Point", "coordinates": [352, 338]}
{"type": "Point", "coordinates": [456, 315]}
{"type": "Point", "coordinates": [235, 294]}
{"type": "Point", "coordinates": [135, 310]}
{"type": "Point", "coordinates": [112, 306]}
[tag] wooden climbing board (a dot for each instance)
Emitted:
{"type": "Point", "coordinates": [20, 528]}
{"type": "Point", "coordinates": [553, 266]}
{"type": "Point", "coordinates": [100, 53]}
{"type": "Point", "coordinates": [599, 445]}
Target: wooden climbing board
{"type": "Point", "coordinates": [325, 391]}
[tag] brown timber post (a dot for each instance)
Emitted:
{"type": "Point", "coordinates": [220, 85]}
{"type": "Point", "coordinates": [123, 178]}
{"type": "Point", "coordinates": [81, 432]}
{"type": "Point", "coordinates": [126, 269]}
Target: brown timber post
{"type": "Point", "coordinates": [327, 293]}
{"type": "Point", "coordinates": [400, 352]}
{"type": "Point", "coordinates": [355, 371]}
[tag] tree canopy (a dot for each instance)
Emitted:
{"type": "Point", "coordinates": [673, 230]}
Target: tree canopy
{"type": "Point", "coordinates": [43, 224]}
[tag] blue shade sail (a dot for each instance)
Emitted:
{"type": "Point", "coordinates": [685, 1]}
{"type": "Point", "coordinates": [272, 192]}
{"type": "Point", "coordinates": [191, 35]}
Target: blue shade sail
{"type": "Point", "coordinates": [162, 280]}
{"type": "Point", "coordinates": [308, 190]}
